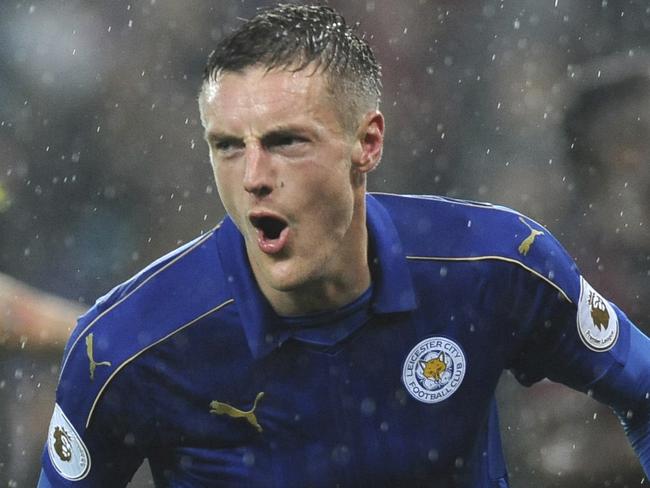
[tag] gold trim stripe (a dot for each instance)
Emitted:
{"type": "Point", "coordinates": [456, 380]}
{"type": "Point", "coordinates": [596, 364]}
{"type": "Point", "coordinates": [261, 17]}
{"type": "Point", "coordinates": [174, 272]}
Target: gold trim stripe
{"type": "Point", "coordinates": [450, 200]}
{"type": "Point", "coordinates": [121, 366]}
{"type": "Point", "coordinates": [495, 258]}
{"type": "Point", "coordinates": [187, 251]}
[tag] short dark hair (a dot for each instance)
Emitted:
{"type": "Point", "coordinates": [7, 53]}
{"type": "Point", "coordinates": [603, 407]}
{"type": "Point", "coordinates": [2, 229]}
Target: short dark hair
{"type": "Point", "coordinates": [294, 37]}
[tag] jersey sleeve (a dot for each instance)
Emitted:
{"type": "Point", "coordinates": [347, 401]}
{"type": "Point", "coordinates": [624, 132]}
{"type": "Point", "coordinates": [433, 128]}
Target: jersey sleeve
{"type": "Point", "coordinates": [566, 331]}
{"type": "Point", "coordinates": [107, 451]}
{"type": "Point", "coordinates": [561, 327]}
{"type": "Point", "coordinates": [627, 389]}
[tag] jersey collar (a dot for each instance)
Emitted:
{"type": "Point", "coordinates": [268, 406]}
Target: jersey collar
{"type": "Point", "coordinates": [393, 287]}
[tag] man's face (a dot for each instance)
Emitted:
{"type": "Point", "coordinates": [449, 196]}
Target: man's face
{"type": "Point", "coordinates": [285, 173]}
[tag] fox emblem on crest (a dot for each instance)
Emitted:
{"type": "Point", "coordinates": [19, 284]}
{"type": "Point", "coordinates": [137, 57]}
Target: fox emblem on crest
{"type": "Point", "coordinates": [434, 368]}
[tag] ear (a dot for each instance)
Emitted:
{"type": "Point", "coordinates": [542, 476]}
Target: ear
{"type": "Point", "coordinates": [368, 143]}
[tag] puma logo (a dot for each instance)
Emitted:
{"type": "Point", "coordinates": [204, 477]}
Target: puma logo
{"type": "Point", "coordinates": [220, 408]}
{"type": "Point", "coordinates": [527, 243]}
{"type": "Point", "coordinates": [89, 353]}
{"type": "Point", "coordinates": [433, 368]}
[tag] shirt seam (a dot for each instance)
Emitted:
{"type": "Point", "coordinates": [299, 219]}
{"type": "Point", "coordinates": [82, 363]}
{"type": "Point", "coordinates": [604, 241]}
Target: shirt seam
{"type": "Point", "coordinates": [493, 258]}
{"type": "Point", "coordinates": [144, 349]}
{"type": "Point", "coordinates": [128, 295]}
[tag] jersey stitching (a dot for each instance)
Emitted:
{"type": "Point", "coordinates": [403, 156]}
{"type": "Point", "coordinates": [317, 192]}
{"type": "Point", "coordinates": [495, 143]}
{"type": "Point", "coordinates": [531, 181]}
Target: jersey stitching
{"type": "Point", "coordinates": [495, 258]}
{"type": "Point", "coordinates": [101, 315]}
{"type": "Point", "coordinates": [121, 366]}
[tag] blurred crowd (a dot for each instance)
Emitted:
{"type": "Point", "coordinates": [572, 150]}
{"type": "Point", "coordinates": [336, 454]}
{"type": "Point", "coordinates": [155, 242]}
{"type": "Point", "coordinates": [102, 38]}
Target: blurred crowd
{"type": "Point", "coordinates": [543, 106]}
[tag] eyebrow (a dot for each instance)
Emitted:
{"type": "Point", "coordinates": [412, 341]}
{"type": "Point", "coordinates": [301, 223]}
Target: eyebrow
{"type": "Point", "coordinates": [217, 136]}
{"type": "Point", "coordinates": [276, 132]}
{"type": "Point", "coordinates": [277, 135]}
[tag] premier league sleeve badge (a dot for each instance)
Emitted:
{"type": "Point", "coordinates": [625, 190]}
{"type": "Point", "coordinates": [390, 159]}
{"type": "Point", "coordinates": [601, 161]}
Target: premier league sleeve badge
{"type": "Point", "coordinates": [66, 449]}
{"type": "Point", "coordinates": [596, 319]}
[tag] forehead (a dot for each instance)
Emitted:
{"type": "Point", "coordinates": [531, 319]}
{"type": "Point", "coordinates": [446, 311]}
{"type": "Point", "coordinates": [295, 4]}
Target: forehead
{"type": "Point", "coordinates": [256, 94]}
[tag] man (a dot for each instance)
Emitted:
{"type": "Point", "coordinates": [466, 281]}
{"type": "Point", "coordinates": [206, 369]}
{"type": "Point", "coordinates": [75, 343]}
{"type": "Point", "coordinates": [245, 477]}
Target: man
{"type": "Point", "coordinates": [321, 336]}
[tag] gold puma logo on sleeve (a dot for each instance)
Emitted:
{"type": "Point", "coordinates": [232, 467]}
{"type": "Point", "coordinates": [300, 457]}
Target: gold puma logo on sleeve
{"type": "Point", "coordinates": [527, 243]}
{"type": "Point", "coordinates": [91, 359]}
{"type": "Point", "coordinates": [220, 408]}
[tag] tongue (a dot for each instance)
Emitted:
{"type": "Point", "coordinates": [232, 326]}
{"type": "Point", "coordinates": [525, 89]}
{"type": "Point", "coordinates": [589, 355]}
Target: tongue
{"type": "Point", "coordinates": [270, 245]}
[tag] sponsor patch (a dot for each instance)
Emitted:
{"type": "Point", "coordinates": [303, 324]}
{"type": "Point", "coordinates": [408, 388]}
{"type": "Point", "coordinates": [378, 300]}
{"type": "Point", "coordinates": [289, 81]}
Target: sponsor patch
{"type": "Point", "coordinates": [67, 452]}
{"type": "Point", "coordinates": [597, 322]}
{"type": "Point", "coordinates": [434, 369]}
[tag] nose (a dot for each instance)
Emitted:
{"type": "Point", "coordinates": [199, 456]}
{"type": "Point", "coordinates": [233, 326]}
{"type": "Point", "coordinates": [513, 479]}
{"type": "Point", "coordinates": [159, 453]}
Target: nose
{"type": "Point", "coordinates": [258, 173]}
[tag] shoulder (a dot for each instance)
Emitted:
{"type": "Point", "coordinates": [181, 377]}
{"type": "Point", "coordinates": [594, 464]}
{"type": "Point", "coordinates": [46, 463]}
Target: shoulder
{"type": "Point", "coordinates": [166, 297]}
{"type": "Point", "coordinates": [434, 228]}
{"type": "Point", "coordinates": [182, 263]}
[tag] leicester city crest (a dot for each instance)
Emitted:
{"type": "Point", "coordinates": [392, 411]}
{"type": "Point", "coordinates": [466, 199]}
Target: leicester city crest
{"type": "Point", "coordinates": [434, 369]}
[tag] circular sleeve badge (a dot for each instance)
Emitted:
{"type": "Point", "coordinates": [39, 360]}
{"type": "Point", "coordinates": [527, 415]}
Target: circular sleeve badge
{"type": "Point", "coordinates": [434, 369]}
{"type": "Point", "coordinates": [597, 321]}
{"type": "Point", "coordinates": [66, 449]}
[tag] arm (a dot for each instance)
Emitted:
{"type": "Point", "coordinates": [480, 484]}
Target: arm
{"type": "Point", "coordinates": [106, 451]}
{"type": "Point", "coordinates": [627, 390]}
{"type": "Point", "coordinates": [43, 482]}
{"type": "Point", "coordinates": [565, 331]}
{"type": "Point", "coordinates": [106, 454]}
{"type": "Point", "coordinates": [33, 317]}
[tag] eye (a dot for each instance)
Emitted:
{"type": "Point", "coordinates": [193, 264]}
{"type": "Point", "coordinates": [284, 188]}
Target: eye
{"type": "Point", "coordinates": [227, 145]}
{"type": "Point", "coordinates": [282, 139]}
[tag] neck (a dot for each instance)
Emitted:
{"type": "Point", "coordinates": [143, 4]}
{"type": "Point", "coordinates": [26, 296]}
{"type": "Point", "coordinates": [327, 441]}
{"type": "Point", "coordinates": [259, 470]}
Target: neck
{"type": "Point", "coordinates": [321, 296]}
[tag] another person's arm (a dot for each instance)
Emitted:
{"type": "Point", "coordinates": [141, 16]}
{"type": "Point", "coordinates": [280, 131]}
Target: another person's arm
{"type": "Point", "coordinates": [32, 318]}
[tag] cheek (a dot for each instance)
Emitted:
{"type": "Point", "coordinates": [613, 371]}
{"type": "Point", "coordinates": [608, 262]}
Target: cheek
{"type": "Point", "coordinates": [334, 202]}
{"type": "Point", "coordinates": [227, 187]}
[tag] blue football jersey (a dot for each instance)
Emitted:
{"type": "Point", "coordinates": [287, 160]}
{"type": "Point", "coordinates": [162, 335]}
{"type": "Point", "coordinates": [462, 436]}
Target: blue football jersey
{"type": "Point", "coordinates": [188, 366]}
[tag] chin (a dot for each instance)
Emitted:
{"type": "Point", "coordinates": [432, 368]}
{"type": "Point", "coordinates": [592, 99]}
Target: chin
{"type": "Point", "coordinates": [286, 283]}
{"type": "Point", "coordinates": [285, 278]}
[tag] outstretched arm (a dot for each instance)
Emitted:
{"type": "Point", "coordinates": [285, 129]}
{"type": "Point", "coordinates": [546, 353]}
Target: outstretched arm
{"type": "Point", "coordinates": [627, 390]}
{"type": "Point", "coordinates": [33, 317]}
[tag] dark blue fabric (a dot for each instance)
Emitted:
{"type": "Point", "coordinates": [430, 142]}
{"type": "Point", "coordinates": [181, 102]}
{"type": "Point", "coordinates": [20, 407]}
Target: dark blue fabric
{"type": "Point", "coordinates": [43, 481]}
{"type": "Point", "coordinates": [627, 389]}
{"type": "Point", "coordinates": [327, 328]}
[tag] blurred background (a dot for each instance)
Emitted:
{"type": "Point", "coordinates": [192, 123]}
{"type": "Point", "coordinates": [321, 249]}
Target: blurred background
{"type": "Point", "coordinates": [541, 105]}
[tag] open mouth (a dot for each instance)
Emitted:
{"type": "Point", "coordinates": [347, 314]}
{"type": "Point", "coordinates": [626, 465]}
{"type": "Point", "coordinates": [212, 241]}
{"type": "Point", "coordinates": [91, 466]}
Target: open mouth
{"type": "Point", "coordinates": [272, 232]}
{"type": "Point", "coordinates": [271, 227]}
